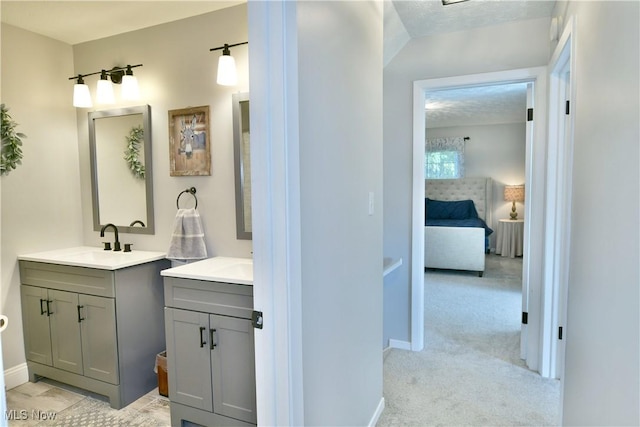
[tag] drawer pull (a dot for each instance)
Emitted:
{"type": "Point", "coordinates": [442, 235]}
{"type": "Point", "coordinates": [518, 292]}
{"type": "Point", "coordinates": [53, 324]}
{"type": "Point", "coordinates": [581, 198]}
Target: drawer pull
{"type": "Point", "coordinates": [42, 309]}
{"type": "Point", "coordinates": [214, 342]}
{"type": "Point", "coordinates": [203, 340]}
{"type": "Point", "coordinates": [80, 318]}
{"type": "Point", "coordinates": [49, 312]}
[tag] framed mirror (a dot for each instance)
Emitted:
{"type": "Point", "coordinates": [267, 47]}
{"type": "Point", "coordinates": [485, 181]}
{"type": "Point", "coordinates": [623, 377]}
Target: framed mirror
{"type": "Point", "coordinates": [121, 170]}
{"type": "Point", "coordinates": [242, 158]}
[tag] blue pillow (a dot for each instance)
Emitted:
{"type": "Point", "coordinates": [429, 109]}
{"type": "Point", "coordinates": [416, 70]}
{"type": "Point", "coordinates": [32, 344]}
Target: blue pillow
{"type": "Point", "coordinates": [459, 209]}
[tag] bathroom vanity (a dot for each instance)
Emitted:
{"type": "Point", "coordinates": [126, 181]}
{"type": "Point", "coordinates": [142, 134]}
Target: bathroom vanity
{"type": "Point", "coordinates": [94, 319]}
{"type": "Point", "coordinates": [210, 348]}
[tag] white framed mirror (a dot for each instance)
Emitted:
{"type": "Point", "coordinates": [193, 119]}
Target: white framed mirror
{"type": "Point", "coordinates": [121, 170]}
{"type": "Point", "coordinates": [242, 160]}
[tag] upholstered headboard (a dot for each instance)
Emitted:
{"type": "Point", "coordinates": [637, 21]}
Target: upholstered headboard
{"type": "Point", "coordinates": [477, 189]}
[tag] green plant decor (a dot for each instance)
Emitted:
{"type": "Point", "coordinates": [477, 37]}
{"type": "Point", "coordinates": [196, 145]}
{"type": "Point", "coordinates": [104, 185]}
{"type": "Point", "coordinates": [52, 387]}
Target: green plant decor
{"type": "Point", "coordinates": [11, 143]}
{"type": "Point", "coordinates": [132, 155]}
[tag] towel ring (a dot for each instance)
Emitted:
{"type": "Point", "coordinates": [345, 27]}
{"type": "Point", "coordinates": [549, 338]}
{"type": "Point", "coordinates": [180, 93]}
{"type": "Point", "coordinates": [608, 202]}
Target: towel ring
{"type": "Point", "coordinates": [191, 191]}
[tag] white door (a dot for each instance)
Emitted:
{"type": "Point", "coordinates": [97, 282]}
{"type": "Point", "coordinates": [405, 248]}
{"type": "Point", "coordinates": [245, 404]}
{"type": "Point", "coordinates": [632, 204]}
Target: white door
{"type": "Point", "coordinates": [525, 259]}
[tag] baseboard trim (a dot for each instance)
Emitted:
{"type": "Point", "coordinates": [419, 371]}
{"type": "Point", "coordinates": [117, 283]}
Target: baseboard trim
{"type": "Point", "coordinates": [385, 352]}
{"type": "Point", "coordinates": [402, 345]}
{"type": "Point", "coordinates": [377, 413]}
{"type": "Point", "coordinates": [15, 376]}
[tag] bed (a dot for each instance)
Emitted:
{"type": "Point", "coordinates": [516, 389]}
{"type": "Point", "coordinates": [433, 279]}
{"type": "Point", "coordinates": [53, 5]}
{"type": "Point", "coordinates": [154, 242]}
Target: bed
{"type": "Point", "coordinates": [448, 242]}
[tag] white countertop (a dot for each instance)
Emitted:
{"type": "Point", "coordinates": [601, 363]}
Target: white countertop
{"type": "Point", "coordinates": [92, 257]}
{"type": "Point", "coordinates": [217, 269]}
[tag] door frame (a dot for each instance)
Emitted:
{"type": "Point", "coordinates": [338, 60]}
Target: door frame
{"type": "Point", "coordinates": [275, 170]}
{"type": "Point", "coordinates": [562, 69]}
{"type": "Point", "coordinates": [533, 291]}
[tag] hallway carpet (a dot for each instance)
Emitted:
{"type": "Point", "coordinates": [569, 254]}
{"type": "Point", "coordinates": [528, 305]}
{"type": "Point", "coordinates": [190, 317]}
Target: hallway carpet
{"type": "Point", "coordinates": [470, 372]}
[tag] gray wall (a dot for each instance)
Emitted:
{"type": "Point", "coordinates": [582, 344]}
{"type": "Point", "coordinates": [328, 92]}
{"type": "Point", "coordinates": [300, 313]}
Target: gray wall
{"type": "Point", "coordinates": [502, 47]}
{"type": "Point", "coordinates": [340, 122]}
{"type": "Point", "coordinates": [601, 384]}
{"type": "Point", "coordinates": [41, 198]}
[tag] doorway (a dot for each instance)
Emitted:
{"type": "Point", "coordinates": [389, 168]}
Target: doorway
{"type": "Point", "coordinates": [491, 122]}
{"type": "Point", "coordinates": [534, 177]}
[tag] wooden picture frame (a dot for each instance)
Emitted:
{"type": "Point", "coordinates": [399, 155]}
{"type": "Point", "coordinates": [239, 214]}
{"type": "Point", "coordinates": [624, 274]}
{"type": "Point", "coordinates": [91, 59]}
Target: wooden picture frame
{"type": "Point", "coordinates": [189, 141]}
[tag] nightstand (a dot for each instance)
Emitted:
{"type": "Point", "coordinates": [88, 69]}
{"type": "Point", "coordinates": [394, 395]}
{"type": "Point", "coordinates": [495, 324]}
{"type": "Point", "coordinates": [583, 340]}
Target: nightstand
{"type": "Point", "coordinates": [509, 240]}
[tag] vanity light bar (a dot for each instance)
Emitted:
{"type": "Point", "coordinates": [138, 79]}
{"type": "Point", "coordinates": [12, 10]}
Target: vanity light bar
{"type": "Point", "coordinates": [117, 75]}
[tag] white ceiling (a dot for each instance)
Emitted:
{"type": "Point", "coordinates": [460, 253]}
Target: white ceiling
{"type": "Point", "coordinates": [76, 22]}
{"type": "Point", "coordinates": [424, 17]}
{"type": "Point", "coordinates": [484, 105]}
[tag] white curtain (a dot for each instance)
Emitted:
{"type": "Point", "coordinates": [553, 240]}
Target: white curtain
{"type": "Point", "coordinates": [444, 157]}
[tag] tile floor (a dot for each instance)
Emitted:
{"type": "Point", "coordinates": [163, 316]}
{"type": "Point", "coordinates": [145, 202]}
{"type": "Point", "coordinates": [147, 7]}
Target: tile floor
{"type": "Point", "coordinates": [48, 403]}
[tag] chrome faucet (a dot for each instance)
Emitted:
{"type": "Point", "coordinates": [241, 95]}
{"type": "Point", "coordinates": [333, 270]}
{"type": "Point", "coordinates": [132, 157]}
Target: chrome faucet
{"type": "Point", "coordinates": [116, 244]}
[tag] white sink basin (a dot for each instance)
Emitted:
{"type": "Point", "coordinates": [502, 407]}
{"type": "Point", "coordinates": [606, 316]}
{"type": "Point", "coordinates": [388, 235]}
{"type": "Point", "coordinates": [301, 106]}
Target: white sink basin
{"type": "Point", "coordinates": [217, 269]}
{"type": "Point", "coordinates": [242, 271]}
{"type": "Point", "coordinates": [88, 256]}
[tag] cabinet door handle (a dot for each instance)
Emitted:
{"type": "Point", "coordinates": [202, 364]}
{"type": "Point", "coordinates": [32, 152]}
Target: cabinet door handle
{"type": "Point", "coordinates": [203, 340]}
{"type": "Point", "coordinates": [49, 312]}
{"type": "Point", "coordinates": [42, 309]}
{"type": "Point", "coordinates": [80, 318]}
{"type": "Point", "coordinates": [214, 342]}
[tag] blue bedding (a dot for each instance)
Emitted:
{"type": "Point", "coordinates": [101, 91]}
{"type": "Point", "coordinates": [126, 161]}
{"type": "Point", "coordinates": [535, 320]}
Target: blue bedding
{"type": "Point", "coordinates": [458, 213]}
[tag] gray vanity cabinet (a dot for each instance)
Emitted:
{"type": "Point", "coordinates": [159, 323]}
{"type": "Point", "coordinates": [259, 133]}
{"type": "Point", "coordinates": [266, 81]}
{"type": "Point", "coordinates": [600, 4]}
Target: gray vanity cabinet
{"type": "Point", "coordinates": [94, 329]}
{"type": "Point", "coordinates": [189, 351]}
{"type": "Point", "coordinates": [71, 331]}
{"type": "Point", "coordinates": [210, 352]}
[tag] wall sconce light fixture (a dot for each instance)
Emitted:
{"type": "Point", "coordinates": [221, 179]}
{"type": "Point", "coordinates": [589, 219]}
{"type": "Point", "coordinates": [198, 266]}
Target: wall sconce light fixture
{"type": "Point", "coordinates": [130, 89]}
{"type": "Point", "coordinates": [227, 75]}
{"type": "Point", "coordinates": [104, 89]}
{"type": "Point", "coordinates": [514, 193]}
{"type": "Point", "coordinates": [81, 95]}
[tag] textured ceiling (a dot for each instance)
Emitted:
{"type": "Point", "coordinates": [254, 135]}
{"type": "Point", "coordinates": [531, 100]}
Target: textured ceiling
{"type": "Point", "coordinates": [478, 105]}
{"type": "Point", "coordinates": [424, 17]}
{"type": "Point", "coordinates": [483, 105]}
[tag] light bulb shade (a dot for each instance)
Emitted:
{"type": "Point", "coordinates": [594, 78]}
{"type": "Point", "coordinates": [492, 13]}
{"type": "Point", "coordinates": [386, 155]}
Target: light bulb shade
{"type": "Point", "coordinates": [130, 90]}
{"type": "Point", "coordinates": [81, 96]}
{"type": "Point", "coordinates": [104, 92]}
{"type": "Point", "coordinates": [227, 75]}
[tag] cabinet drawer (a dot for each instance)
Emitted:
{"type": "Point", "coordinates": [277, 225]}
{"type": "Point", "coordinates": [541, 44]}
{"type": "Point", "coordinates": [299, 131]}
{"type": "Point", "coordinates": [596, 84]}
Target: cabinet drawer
{"type": "Point", "coordinates": [209, 297]}
{"type": "Point", "coordinates": [68, 278]}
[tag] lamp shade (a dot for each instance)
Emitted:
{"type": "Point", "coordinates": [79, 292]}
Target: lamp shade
{"type": "Point", "coordinates": [81, 96]}
{"type": "Point", "coordinates": [130, 90]}
{"type": "Point", "coordinates": [514, 193]}
{"type": "Point", "coordinates": [104, 92]}
{"type": "Point", "coordinates": [227, 75]}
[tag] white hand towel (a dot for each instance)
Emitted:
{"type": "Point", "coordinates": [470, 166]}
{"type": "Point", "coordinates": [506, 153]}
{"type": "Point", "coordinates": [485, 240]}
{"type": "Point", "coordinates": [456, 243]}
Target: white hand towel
{"type": "Point", "coordinates": [187, 240]}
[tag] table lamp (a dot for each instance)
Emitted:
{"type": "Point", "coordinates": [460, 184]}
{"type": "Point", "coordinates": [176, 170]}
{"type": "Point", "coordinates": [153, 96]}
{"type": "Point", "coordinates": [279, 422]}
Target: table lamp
{"type": "Point", "coordinates": [514, 193]}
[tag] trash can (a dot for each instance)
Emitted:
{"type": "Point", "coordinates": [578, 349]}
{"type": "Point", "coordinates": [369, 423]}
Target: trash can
{"type": "Point", "coordinates": [161, 369]}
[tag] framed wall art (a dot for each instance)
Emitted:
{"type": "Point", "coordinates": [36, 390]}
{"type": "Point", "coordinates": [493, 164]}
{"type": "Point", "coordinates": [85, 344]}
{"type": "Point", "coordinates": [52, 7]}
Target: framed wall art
{"type": "Point", "coordinates": [189, 144]}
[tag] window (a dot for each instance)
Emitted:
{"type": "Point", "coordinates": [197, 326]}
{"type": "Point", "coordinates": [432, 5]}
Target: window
{"type": "Point", "coordinates": [441, 165]}
{"type": "Point", "coordinates": [444, 158]}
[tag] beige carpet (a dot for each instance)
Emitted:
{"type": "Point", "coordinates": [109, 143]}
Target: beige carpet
{"type": "Point", "coordinates": [470, 372]}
